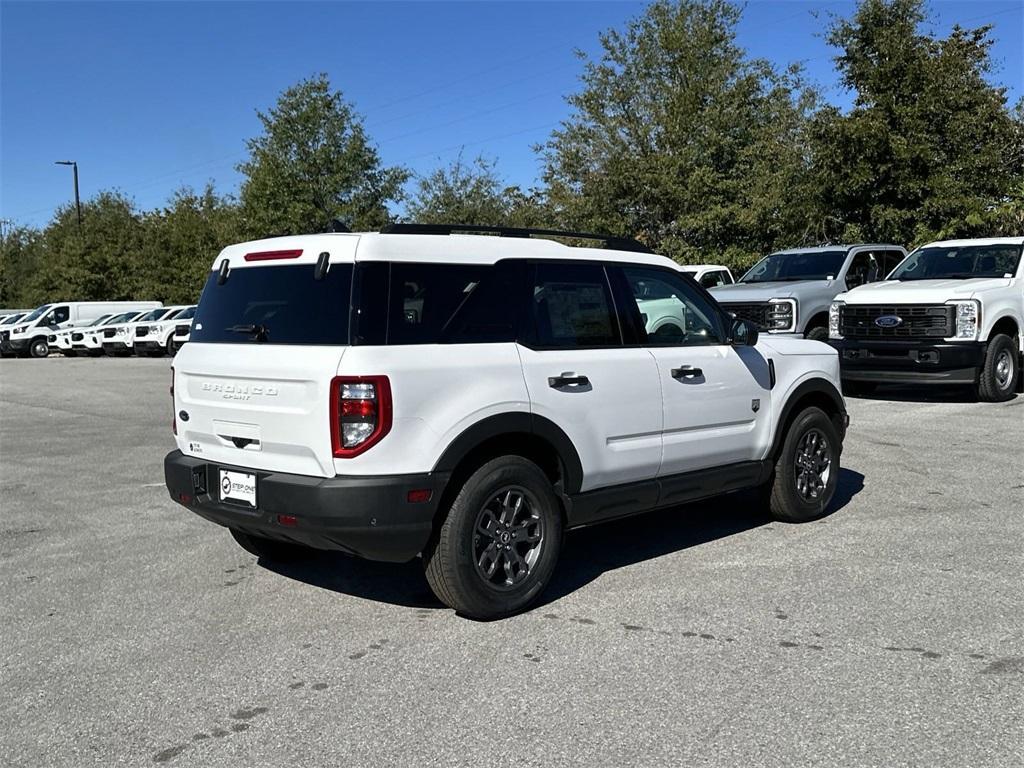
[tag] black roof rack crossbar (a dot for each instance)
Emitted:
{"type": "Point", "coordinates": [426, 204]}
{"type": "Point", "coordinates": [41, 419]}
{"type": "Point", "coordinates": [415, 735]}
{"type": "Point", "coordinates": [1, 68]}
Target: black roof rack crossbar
{"type": "Point", "coordinates": [610, 241]}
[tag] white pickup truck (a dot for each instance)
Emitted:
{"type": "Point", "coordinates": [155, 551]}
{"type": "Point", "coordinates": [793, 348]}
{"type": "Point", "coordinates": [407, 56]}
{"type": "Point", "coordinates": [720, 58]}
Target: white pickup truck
{"type": "Point", "coordinates": [951, 313]}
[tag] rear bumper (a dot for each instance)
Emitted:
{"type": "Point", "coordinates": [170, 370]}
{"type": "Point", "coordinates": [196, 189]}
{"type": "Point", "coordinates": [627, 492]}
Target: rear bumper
{"type": "Point", "coordinates": [910, 361]}
{"type": "Point", "coordinates": [366, 516]}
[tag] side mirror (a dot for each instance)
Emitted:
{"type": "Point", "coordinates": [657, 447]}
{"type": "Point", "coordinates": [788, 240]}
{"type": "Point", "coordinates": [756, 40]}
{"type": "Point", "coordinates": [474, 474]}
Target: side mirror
{"type": "Point", "coordinates": [743, 333]}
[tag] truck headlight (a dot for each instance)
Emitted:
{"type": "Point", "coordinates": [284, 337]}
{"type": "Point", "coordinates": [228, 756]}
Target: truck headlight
{"type": "Point", "coordinates": [835, 308]}
{"type": "Point", "coordinates": [782, 315]}
{"type": "Point", "coordinates": [968, 319]}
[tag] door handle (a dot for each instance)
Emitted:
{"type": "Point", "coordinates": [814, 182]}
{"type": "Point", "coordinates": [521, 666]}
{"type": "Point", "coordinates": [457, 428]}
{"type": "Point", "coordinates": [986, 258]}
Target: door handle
{"type": "Point", "coordinates": [568, 379]}
{"type": "Point", "coordinates": [687, 372]}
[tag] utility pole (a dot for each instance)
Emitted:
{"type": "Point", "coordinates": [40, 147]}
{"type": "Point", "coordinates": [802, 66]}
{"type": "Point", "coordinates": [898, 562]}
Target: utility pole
{"type": "Point", "coordinates": [78, 202]}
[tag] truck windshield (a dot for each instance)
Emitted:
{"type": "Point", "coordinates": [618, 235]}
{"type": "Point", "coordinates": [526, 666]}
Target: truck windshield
{"type": "Point", "coordinates": [156, 314]}
{"type": "Point", "coordinates": [959, 263]}
{"type": "Point", "coordinates": [275, 305]}
{"type": "Point", "coordinates": [186, 314]}
{"type": "Point", "coordinates": [124, 318]}
{"type": "Point", "coordinates": [35, 313]}
{"type": "Point", "coordinates": [796, 265]}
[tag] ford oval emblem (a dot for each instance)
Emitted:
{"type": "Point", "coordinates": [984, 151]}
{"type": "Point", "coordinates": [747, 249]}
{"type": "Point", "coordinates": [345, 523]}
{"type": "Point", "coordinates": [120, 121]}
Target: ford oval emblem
{"type": "Point", "coordinates": [888, 321]}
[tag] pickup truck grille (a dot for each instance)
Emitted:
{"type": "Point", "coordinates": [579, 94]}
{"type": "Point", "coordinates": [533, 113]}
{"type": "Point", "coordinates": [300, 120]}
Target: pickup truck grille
{"type": "Point", "coordinates": [109, 334]}
{"type": "Point", "coordinates": [754, 312]}
{"type": "Point", "coordinates": [917, 321]}
{"type": "Point", "coordinates": [77, 336]}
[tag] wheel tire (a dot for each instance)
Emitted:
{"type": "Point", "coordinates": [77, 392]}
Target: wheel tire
{"type": "Point", "coordinates": [858, 388]}
{"type": "Point", "coordinates": [454, 565]}
{"type": "Point", "coordinates": [172, 347]}
{"type": "Point", "coordinates": [786, 501]}
{"type": "Point", "coordinates": [818, 333]}
{"type": "Point", "coordinates": [268, 549]}
{"type": "Point", "coordinates": [39, 348]}
{"type": "Point", "coordinates": [998, 378]}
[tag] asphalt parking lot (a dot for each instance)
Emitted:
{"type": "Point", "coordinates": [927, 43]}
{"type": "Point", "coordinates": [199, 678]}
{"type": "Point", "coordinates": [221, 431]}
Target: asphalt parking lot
{"type": "Point", "coordinates": [134, 633]}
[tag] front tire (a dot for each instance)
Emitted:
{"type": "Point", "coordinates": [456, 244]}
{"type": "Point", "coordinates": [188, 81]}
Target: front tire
{"type": "Point", "coordinates": [269, 549]}
{"type": "Point", "coordinates": [998, 378]}
{"type": "Point", "coordinates": [807, 469]}
{"type": "Point", "coordinates": [499, 543]}
{"type": "Point", "coordinates": [818, 333]}
{"type": "Point", "coordinates": [39, 348]}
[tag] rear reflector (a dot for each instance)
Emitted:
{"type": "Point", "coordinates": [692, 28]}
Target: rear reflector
{"type": "Point", "coordinates": [271, 255]}
{"type": "Point", "coordinates": [287, 520]}
{"type": "Point", "coordinates": [419, 496]}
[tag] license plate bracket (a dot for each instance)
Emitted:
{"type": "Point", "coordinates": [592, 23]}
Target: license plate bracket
{"type": "Point", "coordinates": [238, 487]}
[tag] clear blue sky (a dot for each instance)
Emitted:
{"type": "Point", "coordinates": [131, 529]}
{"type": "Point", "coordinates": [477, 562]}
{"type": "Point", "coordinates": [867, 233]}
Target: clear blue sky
{"type": "Point", "coordinates": [149, 96]}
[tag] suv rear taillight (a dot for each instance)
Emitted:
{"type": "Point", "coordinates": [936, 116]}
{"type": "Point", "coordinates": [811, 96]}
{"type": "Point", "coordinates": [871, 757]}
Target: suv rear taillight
{"type": "Point", "coordinates": [360, 413]}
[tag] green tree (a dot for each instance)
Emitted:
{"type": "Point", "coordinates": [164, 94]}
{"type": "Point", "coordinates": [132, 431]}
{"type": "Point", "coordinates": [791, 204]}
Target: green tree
{"type": "Point", "coordinates": [473, 193]}
{"type": "Point", "coordinates": [678, 139]}
{"type": "Point", "coordinates": [19, 261]}
{"type": "Point", "coordinates": [929, 148]}
{"type": "Point", "coordinates": [97, 261]}
{"type": "Point", "coordinates": [182, 240]}
{"type": "Point", "coordinates": [313, 164]}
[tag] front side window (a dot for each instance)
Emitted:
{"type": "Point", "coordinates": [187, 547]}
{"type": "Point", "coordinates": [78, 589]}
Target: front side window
{"type": "Point", "coordinates": [713, 278]}
{"type": "Point", "coordinates": [796, 265]}
{"type": "Point", "coordinates": [959, 262]}
{"type": "Point", "coordinates": [57, 316]}
{"type": "Point", "coordinates": [672, 312]}
{"type": "Point", "coordinates": [275, 305]}
{"type": "Point", "coordinates": [571, 307]}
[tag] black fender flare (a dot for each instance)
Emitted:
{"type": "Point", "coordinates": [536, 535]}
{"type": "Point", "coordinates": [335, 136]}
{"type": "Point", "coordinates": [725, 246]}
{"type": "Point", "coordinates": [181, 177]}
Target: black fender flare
{"type": "Point", "coordinates": [810, 387]}
{"type": "Point", "coordinates": [516, 423]}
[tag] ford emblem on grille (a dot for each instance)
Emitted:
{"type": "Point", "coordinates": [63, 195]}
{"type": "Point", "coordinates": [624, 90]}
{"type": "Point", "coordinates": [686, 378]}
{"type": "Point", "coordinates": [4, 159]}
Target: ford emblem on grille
{"type": "Point", "coordinates": [888, 321]}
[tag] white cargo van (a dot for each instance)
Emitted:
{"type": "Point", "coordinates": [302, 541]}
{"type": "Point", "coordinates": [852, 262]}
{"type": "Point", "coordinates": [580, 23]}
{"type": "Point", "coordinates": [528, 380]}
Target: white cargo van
{"type": "Point", "coordinates": [29, 337]}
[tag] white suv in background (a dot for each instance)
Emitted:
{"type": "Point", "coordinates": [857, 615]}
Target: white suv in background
{"type": "Point", "coordinates": [951, 313]}
{"type": "Point", "coordinates": [709, 275]}
{"type": "Point", "coordinates": [468, 399]}
{"type": "Point", "coordinates": [62, 340]}
{"type": "Point", "coordinates": [89, 341]}
{"type": "Point", "coordinates": [152, 335]}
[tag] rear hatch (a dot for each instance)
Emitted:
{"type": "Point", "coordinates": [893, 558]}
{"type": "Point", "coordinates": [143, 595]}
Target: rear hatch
{"type": "Point", "coordinates": [252, 387]}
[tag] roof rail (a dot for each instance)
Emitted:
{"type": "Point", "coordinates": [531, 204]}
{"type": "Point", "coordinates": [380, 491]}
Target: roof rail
{"type": "Point", "coordinates": [610, 241]}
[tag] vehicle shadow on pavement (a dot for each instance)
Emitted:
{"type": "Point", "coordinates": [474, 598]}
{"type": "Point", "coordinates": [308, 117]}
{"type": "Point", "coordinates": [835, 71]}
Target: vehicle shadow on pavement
{"type": "Point", "coordinates": [926, 394]}
{"type": "Point", "coordinates": [590, 552]}
{"type": "Point", "coordinates": [586, 553]}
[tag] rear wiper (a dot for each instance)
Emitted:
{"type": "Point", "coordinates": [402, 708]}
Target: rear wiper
{"type": "Point", "coordinates": [262, 333]}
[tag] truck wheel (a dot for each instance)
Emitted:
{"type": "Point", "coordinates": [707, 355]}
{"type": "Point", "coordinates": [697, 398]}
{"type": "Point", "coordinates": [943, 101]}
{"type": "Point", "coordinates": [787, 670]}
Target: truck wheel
{"type": "Point", "coordinates": [998, 378]}
{"type": "Point", "coordinates": [172, 347]}
{"type": "Point", "coordinates": [269, 549]}
{"type": "Point", "coordinates": [807, 469]}
{"type": "Point", "coordinates": [39, 347]}
{"type": "Point", "coordinates": [818, 333]}
{"type": "Point", "coordinates": [498, 545]}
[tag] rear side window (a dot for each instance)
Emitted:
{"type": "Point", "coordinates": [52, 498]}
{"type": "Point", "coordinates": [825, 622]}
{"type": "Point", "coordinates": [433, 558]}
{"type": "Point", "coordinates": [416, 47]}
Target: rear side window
{"type": "Point", "coordinates": [275, 305]}
{"type": "Point", "coordinates": [571, 306]}
{"type": "Point", "coordinates": [411, 303]}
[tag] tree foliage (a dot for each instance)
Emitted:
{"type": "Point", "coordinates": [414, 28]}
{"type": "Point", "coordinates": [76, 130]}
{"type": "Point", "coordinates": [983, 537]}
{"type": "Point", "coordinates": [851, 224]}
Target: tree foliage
{"type": "Point", "coordinates": [473, 193]}
{"type": "Point", "coordinates": [681, 140]}
{"type": "Point", "coordinates": [314, 164]}
{"type": "Point", "coordinates": [929, 149]}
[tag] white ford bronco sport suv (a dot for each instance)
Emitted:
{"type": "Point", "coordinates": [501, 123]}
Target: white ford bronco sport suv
{"type": "Point", "coordinates": [469, 398]}
{"type": "Point", "coordinates": [951, 313]}
{"type": "Point", "coordinates": [789, 293]}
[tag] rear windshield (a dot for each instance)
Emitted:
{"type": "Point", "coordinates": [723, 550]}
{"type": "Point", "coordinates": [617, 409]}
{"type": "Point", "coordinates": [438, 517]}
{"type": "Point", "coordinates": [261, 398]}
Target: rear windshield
{"type": "Point", "coordinates": [275, 305]}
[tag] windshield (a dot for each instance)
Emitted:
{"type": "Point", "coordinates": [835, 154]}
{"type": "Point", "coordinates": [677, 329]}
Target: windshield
{"type": "Point", "coordinates": [796, 265]}
{"type": "Point", "coordinates": [156, 314]}
{"type": "Point", "coordinates": [186, 314]}
{"type": "Point", "coordinates": [35, 313]}
{"type": "Point", "coordinates": [122, 318]}
{"type": "Point", "coordinates": [98, 321]}
{"type": "Point", "coordinates": [959, 263]}
{"type": "Point", "coordinates": [11, 319]}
